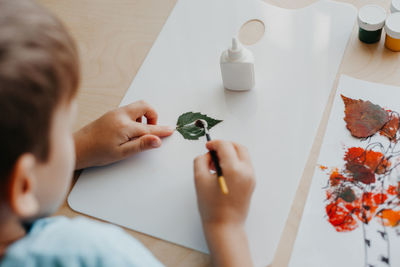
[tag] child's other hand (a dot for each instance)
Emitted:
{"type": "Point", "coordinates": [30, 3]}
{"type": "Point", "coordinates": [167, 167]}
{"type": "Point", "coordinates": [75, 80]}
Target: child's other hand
{"type": "Point", "coordinates": [223, 216]}
{"type": "Point", "coordinates": [118, 134]}
{"type": "Point", "coordinates": [214, 206]}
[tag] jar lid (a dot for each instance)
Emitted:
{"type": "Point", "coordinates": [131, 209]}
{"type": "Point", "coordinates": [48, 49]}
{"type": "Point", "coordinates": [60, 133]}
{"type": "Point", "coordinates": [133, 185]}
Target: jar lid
{"type": "Point", "coordinates": [395, 6]}
{"type": "Point", "coordinates": [392, 26]}
{"type": "Point", "coordinates": [371, 17]}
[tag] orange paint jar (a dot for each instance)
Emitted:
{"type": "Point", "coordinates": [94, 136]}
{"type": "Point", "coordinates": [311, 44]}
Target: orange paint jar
{"type": "Point", "coordinates": [392, 28]}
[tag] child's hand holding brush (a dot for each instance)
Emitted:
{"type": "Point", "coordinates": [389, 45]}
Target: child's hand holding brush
{"type": "Point", "coordinates": [223, 216]}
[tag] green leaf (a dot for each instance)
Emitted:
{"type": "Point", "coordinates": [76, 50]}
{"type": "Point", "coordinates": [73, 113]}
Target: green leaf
{"type": "Point", "coordinates": [189, 130]}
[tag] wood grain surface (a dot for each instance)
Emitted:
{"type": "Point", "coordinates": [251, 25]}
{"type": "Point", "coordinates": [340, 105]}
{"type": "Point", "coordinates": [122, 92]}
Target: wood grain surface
{"type": "Point", "coordinates": [114, 37]}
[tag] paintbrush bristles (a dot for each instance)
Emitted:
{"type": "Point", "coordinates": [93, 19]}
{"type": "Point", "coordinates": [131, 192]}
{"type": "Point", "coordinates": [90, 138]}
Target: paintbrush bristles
{"type": "Point", "coordinates": [202, 124]}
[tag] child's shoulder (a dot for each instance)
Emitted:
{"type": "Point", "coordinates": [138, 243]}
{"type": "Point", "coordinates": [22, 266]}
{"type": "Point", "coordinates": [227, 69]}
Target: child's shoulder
{"type": "Point", "coordinates": [59, 241]}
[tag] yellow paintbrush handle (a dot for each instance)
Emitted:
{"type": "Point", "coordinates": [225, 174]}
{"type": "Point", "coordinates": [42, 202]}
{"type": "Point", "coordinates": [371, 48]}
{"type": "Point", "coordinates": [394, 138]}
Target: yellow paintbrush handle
{"type": "Point", "coordinates": [222, 185]}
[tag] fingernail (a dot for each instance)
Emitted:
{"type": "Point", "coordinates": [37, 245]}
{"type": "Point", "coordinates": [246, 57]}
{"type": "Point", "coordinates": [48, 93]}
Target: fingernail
{"type": "Point", "coordinates": [155, 143]}
{"type": "Point", "coordinates": [171, 128]}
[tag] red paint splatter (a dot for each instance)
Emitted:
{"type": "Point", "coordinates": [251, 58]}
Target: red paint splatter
{"type": "Point", "coordinates": [346, 208]}
{"type": "Point", "coordinates": [375, 161]}
{"type": "Point", "coordinates": [348, 204]}
{"type": "Point", "coordinates": [393, 190]}
{"type": "Point", "coordinates": [379, 198]}
{"type": "Point", "coordinates": [341, 216]}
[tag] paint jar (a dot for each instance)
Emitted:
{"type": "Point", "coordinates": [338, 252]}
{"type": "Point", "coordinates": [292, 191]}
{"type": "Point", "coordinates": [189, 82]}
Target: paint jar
{"type": "Point", "coordinates": [395, 6]}
{"type": "Point", "coordinates": [371, 19]}
{"type": "Point", "coordinates": [392, 29]}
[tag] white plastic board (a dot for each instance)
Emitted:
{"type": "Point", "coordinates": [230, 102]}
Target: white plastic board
{"type": "Point", "coordinates": [296, 64]}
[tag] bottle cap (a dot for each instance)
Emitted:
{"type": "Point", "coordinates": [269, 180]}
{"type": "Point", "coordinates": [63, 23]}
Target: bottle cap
{"type": "Point", "coordinates": [235, 52]}
{"type": "Point", "coordinates": [371, 17]}
{"type": "Point", "coordinates": [395, 6]}
{"type": "Point", "coordinates": [392, 26]}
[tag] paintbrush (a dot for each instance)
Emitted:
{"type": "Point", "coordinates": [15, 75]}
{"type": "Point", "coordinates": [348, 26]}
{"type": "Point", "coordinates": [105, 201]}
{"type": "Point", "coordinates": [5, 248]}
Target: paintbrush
{"type": "Point", "coordinates": [221, 180]}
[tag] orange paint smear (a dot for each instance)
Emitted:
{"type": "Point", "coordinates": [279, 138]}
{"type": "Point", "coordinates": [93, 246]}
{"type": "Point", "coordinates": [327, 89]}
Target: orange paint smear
{"type": "Point", "coordinates": [393, 190]}
{"type": "Point", "coordinates": [375, 161]}
{"type": "Point", "coordinates": [336, 178]}
{"type": "Point", "coordinates": [344, 216]}
{"type": "Point", "coordinates": [390, 217]}
{"type": "Point", "coordinates": [323, 168]}
{"type": "Point", "coordinates": [348, 202]}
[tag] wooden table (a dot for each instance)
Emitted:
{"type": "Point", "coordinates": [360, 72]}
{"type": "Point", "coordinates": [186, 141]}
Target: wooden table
{"type": "Point", "coordinates": [114, 37]}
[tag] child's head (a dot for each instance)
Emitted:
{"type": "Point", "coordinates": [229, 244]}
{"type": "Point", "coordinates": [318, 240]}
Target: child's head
{"type": "Point", "coordinates": [39, 76]}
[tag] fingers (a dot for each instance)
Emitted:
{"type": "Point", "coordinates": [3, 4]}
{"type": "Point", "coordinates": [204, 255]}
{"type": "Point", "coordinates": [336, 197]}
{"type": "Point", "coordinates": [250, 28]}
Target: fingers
{"type": "Point", "coordinates": [140, 108]}
{"type": "Point", "coordinates": [138, 129]}
{"type": "Point", "coordinates": [140, 144]}
{"type": "Point", "coordinates": [226, 152]}
{"type": "Point", "coordinates": [242, 152]}
{"type": "Point", "coordinates": [159, 130]}
{"type": "Point", "coordinates": [201, 166]}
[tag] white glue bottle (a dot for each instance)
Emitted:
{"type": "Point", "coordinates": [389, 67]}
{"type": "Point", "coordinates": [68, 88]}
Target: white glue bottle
{"type": "Point", "coordinates": [237, 67]}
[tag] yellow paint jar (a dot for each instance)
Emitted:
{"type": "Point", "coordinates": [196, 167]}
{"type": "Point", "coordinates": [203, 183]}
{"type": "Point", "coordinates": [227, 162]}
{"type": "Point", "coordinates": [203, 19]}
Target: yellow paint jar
{"type": "Point", "coordinates": [392, 28]}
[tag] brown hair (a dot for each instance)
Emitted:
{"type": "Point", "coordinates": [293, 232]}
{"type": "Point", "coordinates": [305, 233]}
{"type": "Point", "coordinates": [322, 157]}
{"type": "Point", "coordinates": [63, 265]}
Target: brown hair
{"type": "Point", "coordinates": [39, 69]}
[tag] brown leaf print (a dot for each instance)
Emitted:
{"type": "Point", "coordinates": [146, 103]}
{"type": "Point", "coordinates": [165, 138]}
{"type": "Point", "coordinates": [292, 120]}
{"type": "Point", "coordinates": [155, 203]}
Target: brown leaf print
{"type": "Point", "coordinates": [363, 118]}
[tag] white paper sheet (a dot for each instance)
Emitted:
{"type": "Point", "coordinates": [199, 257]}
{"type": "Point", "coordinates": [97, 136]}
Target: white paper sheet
{"type": "Point", "coordinates": [295, 63]}
{"type": "Point", "coordinates": [318, 243]}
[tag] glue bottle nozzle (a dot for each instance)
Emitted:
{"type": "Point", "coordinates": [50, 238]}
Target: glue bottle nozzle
{"type": "Point", "coordinates": [235, 52]}
{"type": "Point", "coordinates": [234, 43]}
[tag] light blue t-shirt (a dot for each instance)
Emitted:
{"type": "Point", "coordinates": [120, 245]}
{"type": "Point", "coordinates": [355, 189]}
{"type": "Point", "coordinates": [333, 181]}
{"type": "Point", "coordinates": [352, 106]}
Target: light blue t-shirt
{"type": "Point", "coordinates": [79, 242]}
